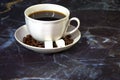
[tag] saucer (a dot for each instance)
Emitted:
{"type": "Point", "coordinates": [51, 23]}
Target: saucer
{"type": "Point", "coordinates": [22, 31]}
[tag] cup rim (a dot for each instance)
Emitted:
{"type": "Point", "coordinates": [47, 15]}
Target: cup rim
{"type": "Point", "coordinates": [66, 16]}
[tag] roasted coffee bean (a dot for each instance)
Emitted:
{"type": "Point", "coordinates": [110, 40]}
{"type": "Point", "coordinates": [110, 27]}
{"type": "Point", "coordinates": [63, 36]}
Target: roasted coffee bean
{"type": "Point", "coordinates": [32, 42]}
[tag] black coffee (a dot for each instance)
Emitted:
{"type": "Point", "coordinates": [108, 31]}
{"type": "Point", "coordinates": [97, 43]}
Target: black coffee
{"type": "Point", "coordinates": [47, 15]}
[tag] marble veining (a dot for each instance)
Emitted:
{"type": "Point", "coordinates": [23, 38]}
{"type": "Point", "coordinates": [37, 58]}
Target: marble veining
{"type": "Point", "coordinates": [9, 36]}
{"type": "Point", "coordinates": [9, 5]}
{"type": "Point", "coordinates": [96, 56]}
{"type": "Point", "coordinates": [98, 41]}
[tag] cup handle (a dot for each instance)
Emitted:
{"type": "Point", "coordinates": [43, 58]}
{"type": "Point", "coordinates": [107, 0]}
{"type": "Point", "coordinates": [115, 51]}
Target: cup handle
{"type": "Point", "coordinates": [76, 28]}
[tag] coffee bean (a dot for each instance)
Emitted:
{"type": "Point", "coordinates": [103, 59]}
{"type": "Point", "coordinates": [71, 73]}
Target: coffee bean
{"type": "Point", "coordinates": [29, 40]}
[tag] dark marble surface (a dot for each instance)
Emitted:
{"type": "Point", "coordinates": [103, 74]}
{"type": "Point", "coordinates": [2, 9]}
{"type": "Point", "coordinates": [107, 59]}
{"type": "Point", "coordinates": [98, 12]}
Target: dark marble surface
{"type": "Point", "coordinates": [95, 57]}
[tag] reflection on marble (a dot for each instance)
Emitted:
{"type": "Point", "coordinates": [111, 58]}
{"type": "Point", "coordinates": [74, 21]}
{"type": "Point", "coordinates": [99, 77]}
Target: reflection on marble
{"type": "Point", "coordinates": [96, 56]}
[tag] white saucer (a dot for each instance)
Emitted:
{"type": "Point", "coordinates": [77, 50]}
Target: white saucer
{"type": "Point", "coordinates": [22, 32]}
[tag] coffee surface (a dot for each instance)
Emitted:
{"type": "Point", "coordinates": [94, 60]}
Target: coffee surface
{"type": "Point", "coordinates": [47, 15]}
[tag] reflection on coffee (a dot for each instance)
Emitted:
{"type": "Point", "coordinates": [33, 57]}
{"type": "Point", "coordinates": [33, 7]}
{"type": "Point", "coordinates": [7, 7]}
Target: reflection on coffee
{"type": "Point", "coordinates": [47, 15]}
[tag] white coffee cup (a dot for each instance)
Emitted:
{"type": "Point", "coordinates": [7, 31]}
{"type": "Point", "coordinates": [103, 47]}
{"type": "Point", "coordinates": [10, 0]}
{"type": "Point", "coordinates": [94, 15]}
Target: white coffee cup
{"type": "Point", "coordinates": [49, 30]}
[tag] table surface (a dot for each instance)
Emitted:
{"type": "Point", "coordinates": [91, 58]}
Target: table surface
{"type": "Point", "coordinates": [96, 56]}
